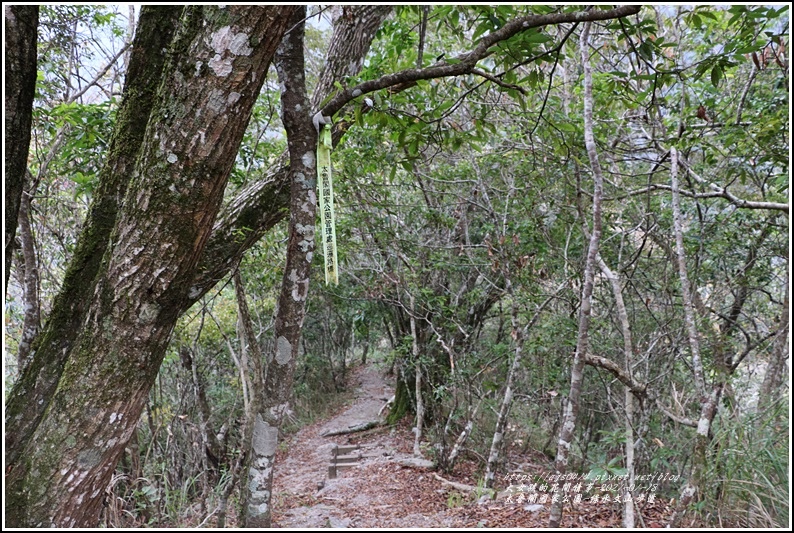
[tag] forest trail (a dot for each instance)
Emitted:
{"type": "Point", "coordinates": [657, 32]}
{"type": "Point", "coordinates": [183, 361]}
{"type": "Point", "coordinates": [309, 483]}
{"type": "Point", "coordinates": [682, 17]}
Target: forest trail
{"type": "Point", "coordinates": [382, 492]}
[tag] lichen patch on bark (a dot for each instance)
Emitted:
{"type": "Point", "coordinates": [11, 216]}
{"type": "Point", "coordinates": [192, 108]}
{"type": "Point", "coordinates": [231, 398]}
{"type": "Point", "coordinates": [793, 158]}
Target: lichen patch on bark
{"type": "Point", "coordinates": [225, 40]}
{"type": "Point", "coordinates": [308, 159]}
{"type": "Point", "coordinates": [283, 350]}
{"type": "Point", "coordinates": [265, 438]}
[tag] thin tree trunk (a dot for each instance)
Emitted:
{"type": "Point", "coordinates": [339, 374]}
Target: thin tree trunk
{"type": "Point", "coordinates": [253, 380]}
{"type": "Point", "coordinates": [291, 310]}
{"type": "Point", "coordinates": [519, 335]}
{"type": "Point", "coordinates": [708, 402]}
{"type": "Point", "coordinates": [32, 321]}
{"type": "Point", "coordinates": [265, 202]}
{"type": "Point", "coordinates": [628, 351]}
{"type": "Point", "coordinates": [504, 409]}
{"type": "Point", "coordinates": [420, 406]}
{"type": "Point", "coordinates": [776, 368]}
{"type": "Point", "coordinates": [21, 26]}
{"type": "Point", "coordinates": [577, 367]}
{"type": "Point", "coordinates": [212, 449]}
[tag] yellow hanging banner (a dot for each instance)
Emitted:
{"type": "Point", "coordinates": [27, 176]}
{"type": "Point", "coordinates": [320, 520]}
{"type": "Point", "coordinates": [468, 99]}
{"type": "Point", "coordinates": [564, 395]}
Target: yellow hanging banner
{"type": "Point", "coordinates": [325, 189]}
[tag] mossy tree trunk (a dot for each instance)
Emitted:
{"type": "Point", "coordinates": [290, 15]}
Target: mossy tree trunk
{"type": "Point", "coordinates": [33, 390]}
{"type": "Point", "coordinates": [213, 73]}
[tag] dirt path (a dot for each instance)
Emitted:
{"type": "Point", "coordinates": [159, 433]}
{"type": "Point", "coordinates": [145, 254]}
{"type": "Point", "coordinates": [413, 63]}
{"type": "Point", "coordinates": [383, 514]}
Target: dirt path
{"type": "Point", "coordinates": [382, 491]}
{"type": "Point", "coordinates": [373, 494]}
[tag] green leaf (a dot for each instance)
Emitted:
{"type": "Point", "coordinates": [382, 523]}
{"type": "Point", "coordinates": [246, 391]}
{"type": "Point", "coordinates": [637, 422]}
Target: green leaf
{"type": "Point", "coordinates": [646, 50]}
{"type": "Point", "coordinates": [481, 29]}
{"type": "Point", "coordinates": [536, 37]}
{"type": "Point", "coordinates": [413, 148]}
{"type": "Point", "coordinates": [716, 75]}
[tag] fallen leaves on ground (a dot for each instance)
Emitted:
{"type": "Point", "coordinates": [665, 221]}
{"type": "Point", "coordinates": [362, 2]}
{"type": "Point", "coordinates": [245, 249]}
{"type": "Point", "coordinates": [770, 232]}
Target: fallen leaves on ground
{"type": "Point", "coordinates": [381, 493]}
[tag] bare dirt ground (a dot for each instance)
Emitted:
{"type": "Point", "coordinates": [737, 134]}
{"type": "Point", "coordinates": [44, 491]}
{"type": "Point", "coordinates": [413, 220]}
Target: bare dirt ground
{"type": "Point", "coordinates": [383, 492]}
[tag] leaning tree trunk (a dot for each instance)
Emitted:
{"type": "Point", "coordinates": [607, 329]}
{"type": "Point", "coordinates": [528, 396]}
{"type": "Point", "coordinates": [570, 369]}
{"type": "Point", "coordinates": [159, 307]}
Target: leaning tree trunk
{"type": "Point", "coordinates": [34, 388]}
{"type": "Point", "coordinates": [216, 67]}
{"type": "Point", "coordinates": [577, 367]}
{"type": "Point", "coordinates": [21, 24]}
{"type": "Point", "coordinates": [274, 399]}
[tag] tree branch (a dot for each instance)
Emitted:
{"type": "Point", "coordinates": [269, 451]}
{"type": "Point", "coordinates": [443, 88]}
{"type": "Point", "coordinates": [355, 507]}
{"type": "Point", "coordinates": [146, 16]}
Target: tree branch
{"type": "Point", "coordinates": [680, 419]}
{"type": "Point", "coordinates": [640, 390]}
{"type": "Point", "coordinates": [719, 192]}
{"type": "Point", "coordinates": [466, 62]}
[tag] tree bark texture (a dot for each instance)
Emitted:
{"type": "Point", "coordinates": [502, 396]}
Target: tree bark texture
{"type": "Point", "coordinates": [216, 66]}
{"type": "Point", "coordinates": [33, 391]}
{"type": "Point", "coordinates": [30, 283]}
{"type": "Point", "coordinates": [265, 202]}
{"type": "Point", "coordinates": [577, 367]}
{"type": "Point", "coordinates": [291, 308]}
{"type": "Point", "coordinates": [21, 25]}
{"type": "Point", "coordinates": [252, 379]}
{"type": "Point", "coordinates": [353, 33]}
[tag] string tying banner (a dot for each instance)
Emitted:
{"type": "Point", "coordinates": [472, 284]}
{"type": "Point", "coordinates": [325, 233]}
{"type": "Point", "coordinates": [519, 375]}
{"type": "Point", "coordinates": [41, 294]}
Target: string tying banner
{"type": "Point", "coordinates": [325, 189]}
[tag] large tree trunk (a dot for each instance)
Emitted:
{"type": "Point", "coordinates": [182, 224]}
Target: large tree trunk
{"type": "Point", "coordinates": [577, 367]}
{"type": "Point", "coordinates": [21, 25]}
{"type": "Point", "coordinates": [265, 202]}
{"type": "Point", "coordinates": [33, 390]}
{"type": "Point", "coordinates": [273, 401]}
{"type": "Point", "coordinates": [216, 67]}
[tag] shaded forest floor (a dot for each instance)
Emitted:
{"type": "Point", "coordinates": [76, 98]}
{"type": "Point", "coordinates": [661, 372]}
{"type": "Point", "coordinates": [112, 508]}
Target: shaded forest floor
{"type": "Point", "coordinates": [382, 492]}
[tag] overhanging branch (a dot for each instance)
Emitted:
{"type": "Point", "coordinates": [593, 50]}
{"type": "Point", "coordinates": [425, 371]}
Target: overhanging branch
{"type": "Point", "coordinates": [465, 63]}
